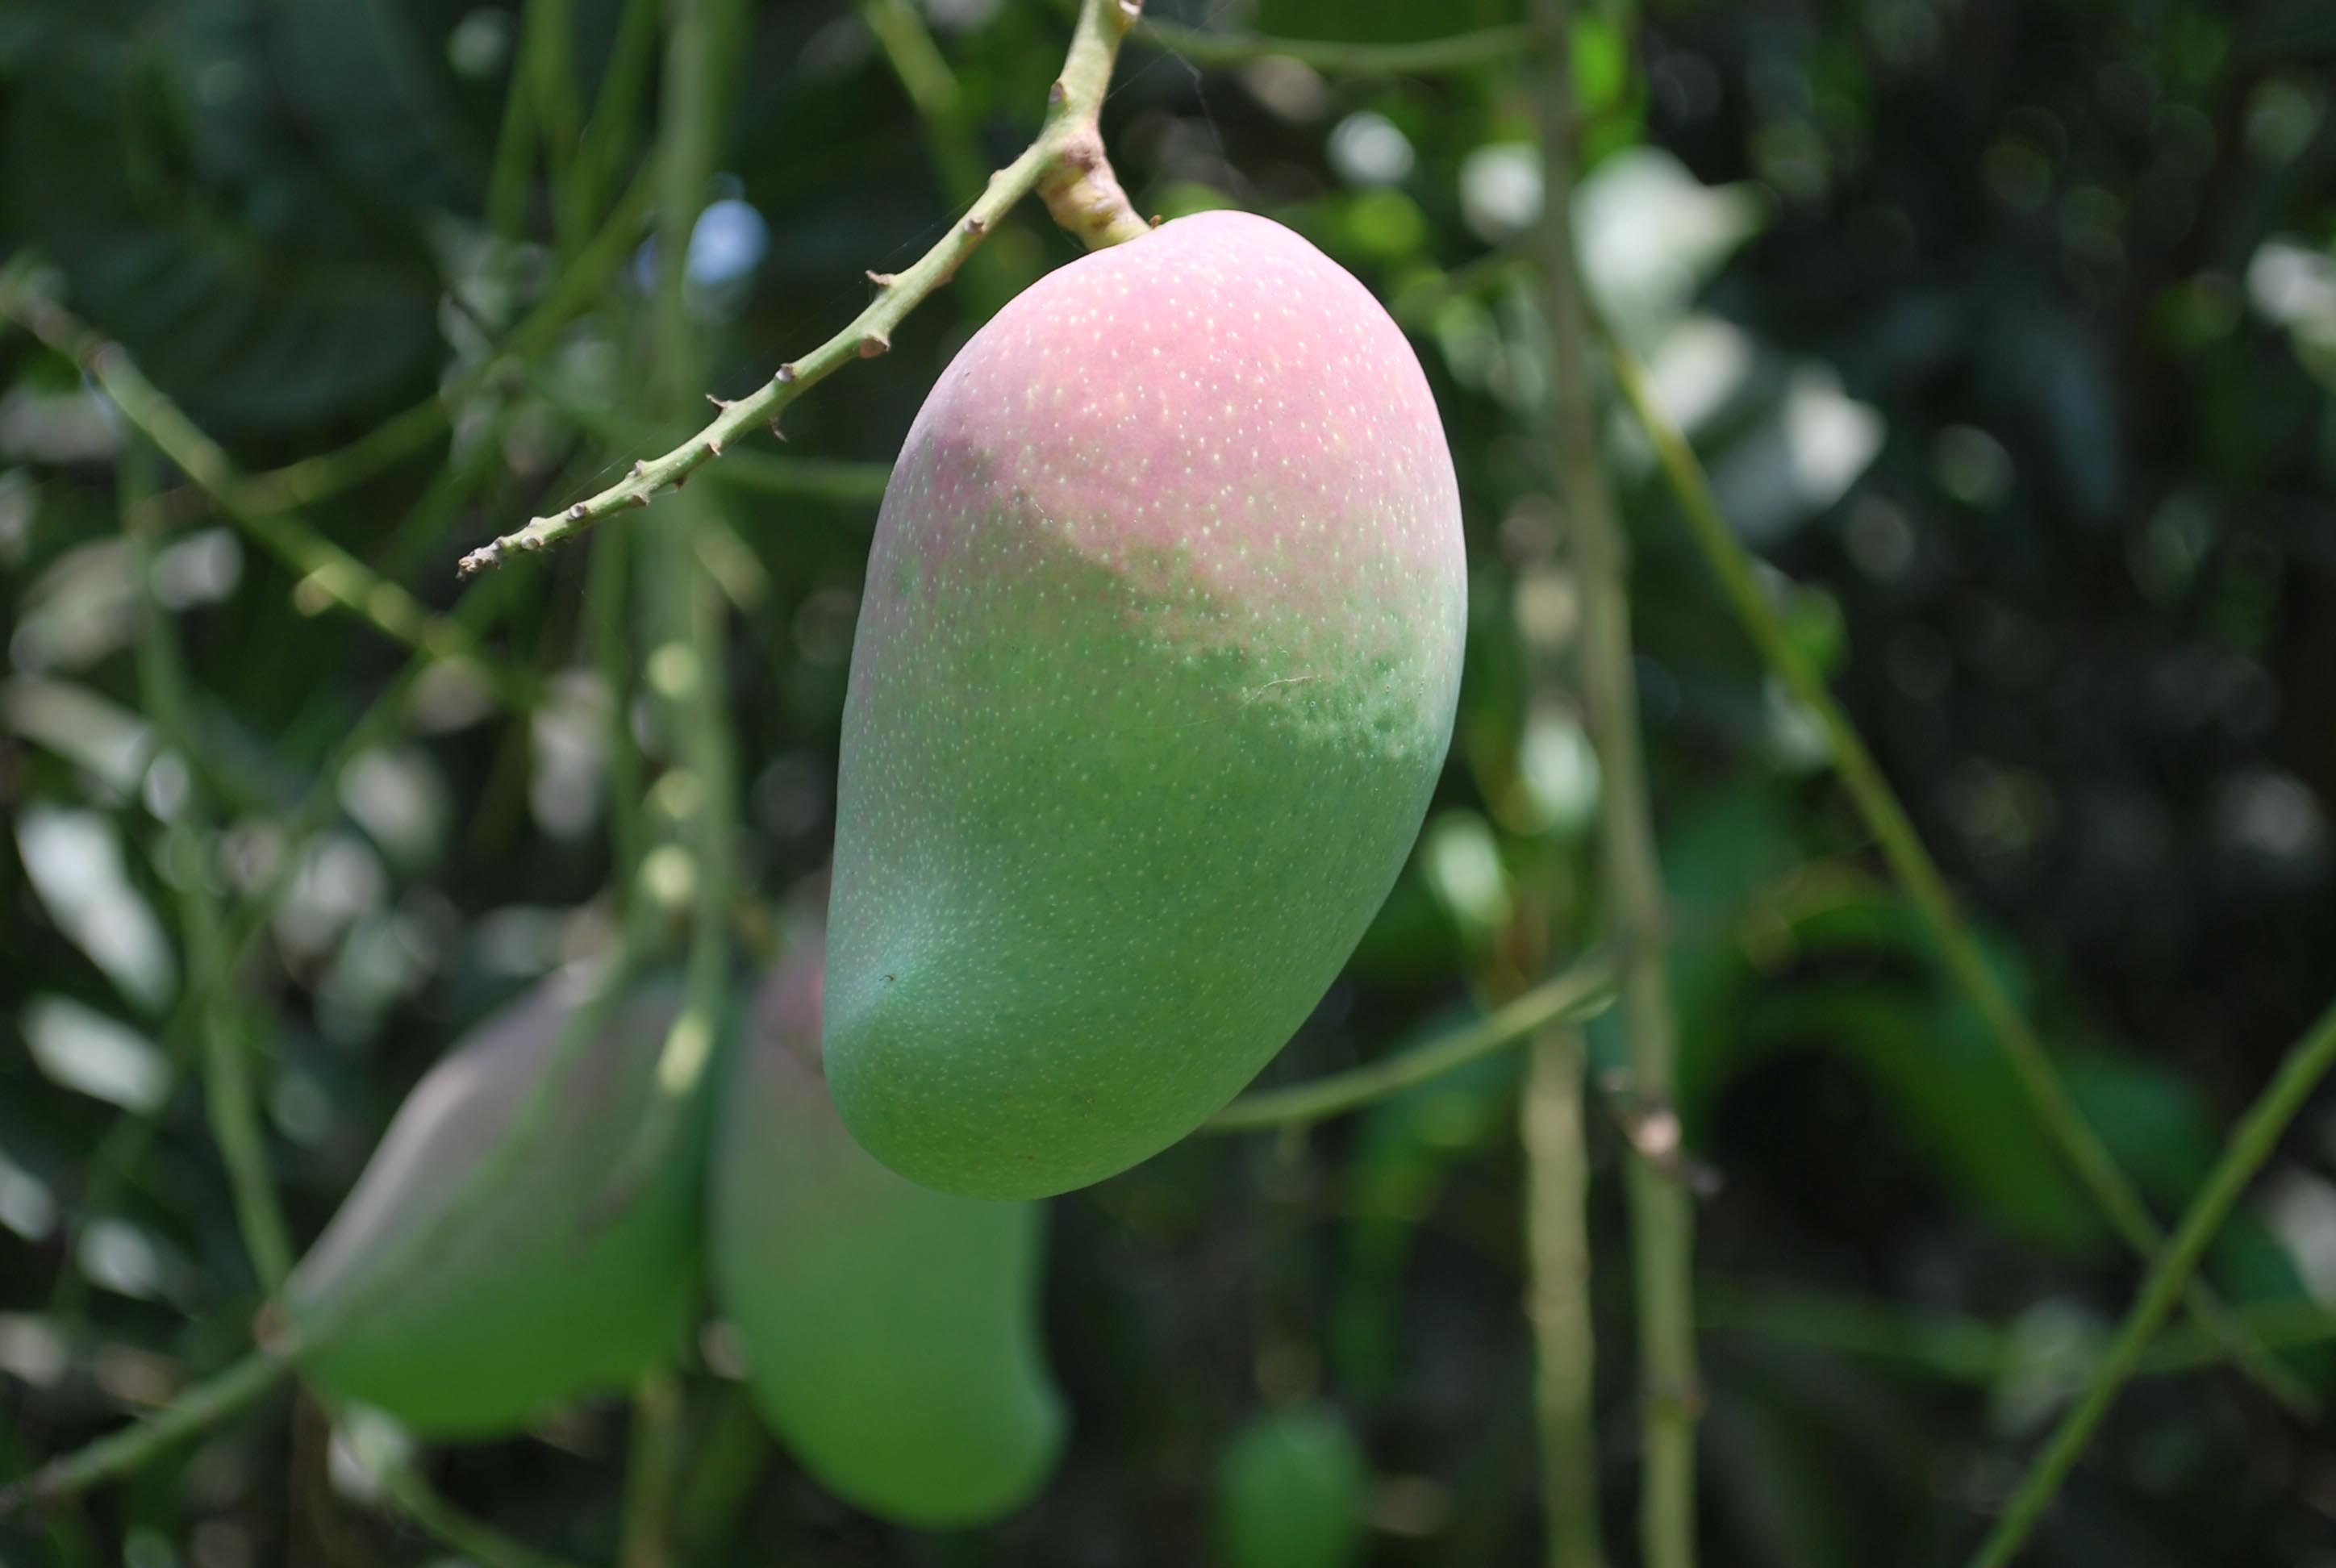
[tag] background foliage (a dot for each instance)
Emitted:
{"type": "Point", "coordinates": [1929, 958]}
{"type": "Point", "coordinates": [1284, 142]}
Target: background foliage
{"type": "Point", "coordinates": [2008, 331]}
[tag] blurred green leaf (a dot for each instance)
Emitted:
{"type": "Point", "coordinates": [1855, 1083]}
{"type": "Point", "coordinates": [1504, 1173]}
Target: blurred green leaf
{"type": "Point", "coordinates": [156, 168]}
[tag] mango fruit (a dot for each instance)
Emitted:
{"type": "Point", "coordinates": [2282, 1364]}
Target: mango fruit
{"type": "Point", "coordinates": [1155, 673]}
{"type": "Point", "coordinates": [890, 1333]}
{"type": "Point", "coordinates": [1290, 1491]}
{"type": "Point", "coordinates": [551, 1287]}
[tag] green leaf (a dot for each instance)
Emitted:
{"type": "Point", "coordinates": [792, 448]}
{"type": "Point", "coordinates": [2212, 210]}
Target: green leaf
{"type": "Point", "coordinates": [198, 229]}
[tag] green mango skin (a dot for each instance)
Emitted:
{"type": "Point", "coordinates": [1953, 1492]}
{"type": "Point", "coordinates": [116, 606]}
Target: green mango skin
{"type": "Point", "coordinates": [891, 1333]}
{"type": "Point", "coordinates": [1155, 673]}
{"type": "Point", "coordinates": [1289, 1493]}
{"type": "Point", "coordinates": [546, 1292]}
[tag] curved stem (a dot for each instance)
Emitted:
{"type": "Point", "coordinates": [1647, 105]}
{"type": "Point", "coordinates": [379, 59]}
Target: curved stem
{"type": "Point", "coordinates": [933, 91]}
{"type": "Point", "coordinates": [201, 1406]}
{"type": "Point", "coordinates": [236, 1126]}
{"type": "Point", "coordinates": [325, 566]}
{"type": "Point", "coordinates": [317, 808]}
{"type": "Point", "coordinates": [838, 481]}
{"type": "Point", "coordinates": [309, 817]}
{"type": "Point", "coordinates": [1960, 1350]}
{"type": "Point", "coordinates": [2251, 1144]}
{"type": "Point", "coordinates": [515, 142]}
{"type": "Point", "coordinates": [308, 480]}
{"type": "Point", "coordinates": [2094, 1166]}
{"type": "Point", "coordinates": [689, 662]}
{"type": "Point", "coordinates": [1581, 992]}
{"type": "Point", "coordinates": [119, 1152]}
{"type": "Point", "coordinates": [609, 129]}
{"type": "Point", "coordinates": [952, 135]}
{"type": "Point", "coordinates": [1065, 164]}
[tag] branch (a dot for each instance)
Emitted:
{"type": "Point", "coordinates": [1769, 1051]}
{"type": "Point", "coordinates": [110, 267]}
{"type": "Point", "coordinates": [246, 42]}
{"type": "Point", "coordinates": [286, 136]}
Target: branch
{"type": "Point", "coordinates": [1581, 992]}
{"type": "Point", "coordinates": [932, 89]}
{"type": "Point", "coordinates": [281, 1344]}
{"type": "Point", "coordinates": [121, 1149]}
{"type": "Point", "coordinates": [1631, 879]}
{"type": "Point", "coordinates": [308, 480]}
{"type": "Point", "coordinates": [1962, 1349]}
{"type": "Point", "coordinates": [321, 803]}
{"type": "Point", "coordinates": [333, 570]}
{"type": "Point", "coordinates": [2250, 1145]}
{"type": "Point", "coordinates": [952, 137]}
{"type": "Point", "coordinates": [2095, 1168]}
{"type": "Point", "coordinates": [1490, 46]}
{"type": "Point", "coordinates": [609, 129]}
{"type": "Point", "coordinates": [200, 1407]}
{"type": "Point", "coordinates": [1065, 165]}
{"type": "Point", "coordinates": [689, 658]}
{"type": "Point", "coordinates": [844, 481]}
{"type": "Point", "coordinates": [208, 1403]}
{"type": "Point", "coordinates": [236, 1126]}
{"type": "Point", "coordinates": [1557, 1298]}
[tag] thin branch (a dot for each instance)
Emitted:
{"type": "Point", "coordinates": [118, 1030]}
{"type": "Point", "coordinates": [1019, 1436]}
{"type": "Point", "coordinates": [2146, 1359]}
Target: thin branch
{"type": "Point", "coordinates": [552, 80]}
{"type": "Point", "coordinates": [1065, 165]}
{"type": "Point", "coordinates": [844, 481]}
{"type": "Point", "coordinates": [933, 91]}
{"type": "Point", "coordinates": [1963, 1350]}
{"type": "Point", "coordinates": [1557, 1298]}
{"type": "Point", "coordinates": [515, 141]}
{"type": "Point", "coordinates": [315, 809]}
{"type": "Point", "coordinates": [227, 1094]}
{"type": "Point", "coordinates": [608, 618]}
{"type": "Point", "coordinates": [1630, 882]}
{"type": "Point", "coordinates": [236, 1126]}
{"type": "Point", "coordinates": [255, 1374]}
{"type": "Point", "coordinates": [608, 133]}
{"type": "Point", "coordinates": [689, 665]}
{"type": "Point", "coordinates": [1901, 846]}
{"type": "Point", "coordinates": [1581, 992]}
{"type": "Point", "coordinates": [240, 1383]}
{"type": "Point", "coordinates": [1490, 46]}
{"type": "Point", "coordinates": [122, 1148]}
{"type": "Point", "coordinates": [323, 564]}
{"type": "Point", "coordinates": [308, 480]}
{"type": "Point", "coordinates": [952, 135]}
{"type": "Point", "coordinates": [2251, 1144]}
{"type": "Point", "coordinates": [197, 1409]}
{"type": "Point", "coordinates": [322, 803]}
{"type": "Point", "coordinates": [118, 1153]}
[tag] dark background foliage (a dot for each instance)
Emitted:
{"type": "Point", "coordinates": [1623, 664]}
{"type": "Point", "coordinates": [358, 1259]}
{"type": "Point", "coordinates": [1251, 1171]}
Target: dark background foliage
{"type": "Point", "coordinates": [2008, 330]}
